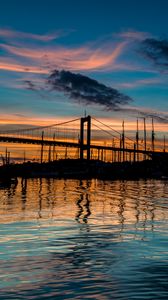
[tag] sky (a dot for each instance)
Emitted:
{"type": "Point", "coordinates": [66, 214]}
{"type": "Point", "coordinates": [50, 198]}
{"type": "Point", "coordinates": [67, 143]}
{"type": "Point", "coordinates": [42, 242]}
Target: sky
{"type": "Point", "coordinates": [62, 59]}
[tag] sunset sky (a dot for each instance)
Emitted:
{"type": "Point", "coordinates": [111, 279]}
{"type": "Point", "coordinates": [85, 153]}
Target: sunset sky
{"type": "Point", "coordinates": [121, 44]}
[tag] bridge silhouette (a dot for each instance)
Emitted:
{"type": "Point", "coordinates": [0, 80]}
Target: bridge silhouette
{"type": "Point", "coordinates": [91, 138]}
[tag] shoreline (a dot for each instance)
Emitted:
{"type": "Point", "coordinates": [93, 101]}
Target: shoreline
{"type": "Point", "coordinates": [84, 169]}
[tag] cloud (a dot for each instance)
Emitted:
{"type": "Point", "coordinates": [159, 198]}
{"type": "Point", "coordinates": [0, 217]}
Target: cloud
{"type": "Point", "coordinates": [30, 85]}
{"type": "Point", "coordinates": [156, 51]}
{"type": "Point", "coordinates": [21, 68]}
{"type": "Point", "coordinates": [38, 87]}
{"type": "Point", "coordinates": [142, 83]}
{"type": "Point", "coordinates": [90, 92]}
{"type": "Point", "coordinates": [133, 35]}
{"type": "Point", "coordinates": [79, 58]}
{"type": "Point", "coordinates": [9, 33]}
{"type": "Point", "coordinates": [145, 112]}
{"type": "Point", "coordinates": [114, 53]}
{"type": "Point", "coordinates": [87, 90]}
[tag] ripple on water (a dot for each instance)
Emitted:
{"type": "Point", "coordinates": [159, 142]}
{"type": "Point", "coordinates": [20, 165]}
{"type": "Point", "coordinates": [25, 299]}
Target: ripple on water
{"type": "Point", "coordinates": [79, 239]}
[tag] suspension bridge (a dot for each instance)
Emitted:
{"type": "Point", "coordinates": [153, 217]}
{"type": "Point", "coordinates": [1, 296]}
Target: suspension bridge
{"type": "Point", "coordinates": [81, 138]}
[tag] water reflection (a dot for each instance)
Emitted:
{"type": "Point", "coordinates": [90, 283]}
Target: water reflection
{"type": "Point", "coordinates": [40, 197]}
{"type": "Point", "coordinates": [83, 203]}
{"type": "Point", "coordinates": [140, 203]}
{"type": "Point", "coordinates": [24, 192]}
{"type": "Point", "coordinates": [81, 239]}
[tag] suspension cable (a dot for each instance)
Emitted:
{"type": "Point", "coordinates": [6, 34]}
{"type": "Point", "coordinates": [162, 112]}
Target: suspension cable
{"type": "Point", "coordinates": [105, 131]}
{"type": "Point", "coordinates": [108, 126]}
{"type": "Point", "coordinates": [40, 127]}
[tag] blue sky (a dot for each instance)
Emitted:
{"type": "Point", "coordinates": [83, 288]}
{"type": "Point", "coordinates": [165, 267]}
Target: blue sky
{"type": "Point", "coordinates": [102, 40]}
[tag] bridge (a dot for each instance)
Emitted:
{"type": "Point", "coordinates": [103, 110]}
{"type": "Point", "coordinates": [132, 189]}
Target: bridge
{"type": "Point", "coordinates": [82, 138]}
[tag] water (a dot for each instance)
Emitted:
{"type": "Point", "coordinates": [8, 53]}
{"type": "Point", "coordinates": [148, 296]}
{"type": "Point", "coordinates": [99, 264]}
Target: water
{"type": "Point", "coordinates": [72, 239]}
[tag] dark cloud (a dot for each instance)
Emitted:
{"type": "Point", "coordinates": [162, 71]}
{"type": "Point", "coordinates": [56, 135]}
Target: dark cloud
{"type": "Point", "coordinates": [140, 113]}
{"type": "Point", "coordinates": [161, 118]}
{"type": "Point", "coordinates": [87, 90]}
{"type": "Point", "coordinates": [30, 85]}
{"type": "Point", "coordinates": [42, 91]}
{"type": "Point", "coordinates": [156, 51]}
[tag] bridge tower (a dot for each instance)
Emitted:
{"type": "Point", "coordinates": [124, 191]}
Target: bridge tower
{"type": "Point", "coordinates": [86, 146]}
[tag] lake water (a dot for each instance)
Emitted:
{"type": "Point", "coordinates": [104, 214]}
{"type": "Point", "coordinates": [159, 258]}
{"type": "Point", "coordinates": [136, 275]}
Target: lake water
{"type": "Point", "coordinates": [88, 239]}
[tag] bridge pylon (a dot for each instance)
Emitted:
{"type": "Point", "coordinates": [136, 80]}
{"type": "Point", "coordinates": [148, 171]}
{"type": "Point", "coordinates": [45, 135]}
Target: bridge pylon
{"type": "Point", "coordinates": [87, 145]}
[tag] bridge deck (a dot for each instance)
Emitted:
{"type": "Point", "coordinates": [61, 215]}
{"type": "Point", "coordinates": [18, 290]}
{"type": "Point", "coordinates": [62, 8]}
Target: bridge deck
{"type": "Point", "coordinates": [69, 144]}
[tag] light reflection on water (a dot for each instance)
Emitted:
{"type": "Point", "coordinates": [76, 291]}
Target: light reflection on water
{"type": "Point", "coordinates": [88, 239]}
